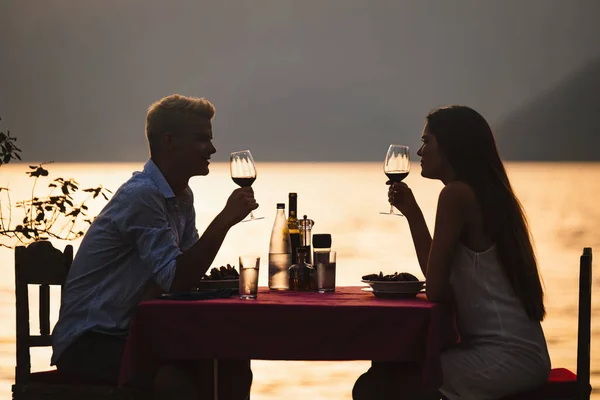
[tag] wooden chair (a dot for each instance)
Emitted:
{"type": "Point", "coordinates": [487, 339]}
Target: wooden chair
{"type": "Point", "coordinates": [562, 383]}
{"type": "Point", "coordinates": [42, 264]}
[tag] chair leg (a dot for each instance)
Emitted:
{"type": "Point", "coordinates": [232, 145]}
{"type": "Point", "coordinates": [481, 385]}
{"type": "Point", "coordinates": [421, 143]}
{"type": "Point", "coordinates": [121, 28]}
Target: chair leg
{"type": "Point", "coordinates": [215, 379]}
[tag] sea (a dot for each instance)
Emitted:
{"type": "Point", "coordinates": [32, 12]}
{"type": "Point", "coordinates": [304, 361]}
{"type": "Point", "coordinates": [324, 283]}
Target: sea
{"type": "Point", "coordinates": [345, 200]}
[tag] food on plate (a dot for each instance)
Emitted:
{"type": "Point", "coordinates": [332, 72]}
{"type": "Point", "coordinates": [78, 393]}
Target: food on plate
{"type": "Point", "coordinates": [222, 274]}
{"type": "Point", "coordinates": [396, 277]}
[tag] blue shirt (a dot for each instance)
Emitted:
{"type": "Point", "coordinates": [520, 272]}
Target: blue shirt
{"type": "Point", "coordinates": [133, 242]}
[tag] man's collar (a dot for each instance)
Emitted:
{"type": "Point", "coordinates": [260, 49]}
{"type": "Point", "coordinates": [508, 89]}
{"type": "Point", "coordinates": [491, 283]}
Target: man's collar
{"type": "Point", "coordinates": [158, 178]}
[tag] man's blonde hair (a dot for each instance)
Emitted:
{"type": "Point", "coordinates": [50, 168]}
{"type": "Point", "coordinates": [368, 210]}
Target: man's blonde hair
{"type": "Point", "coordinates": [172, 114]}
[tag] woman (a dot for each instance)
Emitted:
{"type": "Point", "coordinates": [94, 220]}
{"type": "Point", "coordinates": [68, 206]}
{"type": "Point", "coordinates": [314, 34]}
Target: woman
{"type": "Point", "coordinates": [481, 257]}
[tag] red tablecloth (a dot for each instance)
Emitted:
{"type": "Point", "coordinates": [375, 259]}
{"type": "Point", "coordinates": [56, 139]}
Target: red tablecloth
{"type": "Point", "coordinates": [350, 324]}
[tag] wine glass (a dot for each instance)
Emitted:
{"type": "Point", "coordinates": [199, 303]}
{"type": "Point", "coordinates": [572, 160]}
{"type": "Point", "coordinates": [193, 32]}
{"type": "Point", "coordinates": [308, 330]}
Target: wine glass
{"type": "Point", "coordinates": [243, 172]}
{"type": "Point", "coordinates": [396, 166]}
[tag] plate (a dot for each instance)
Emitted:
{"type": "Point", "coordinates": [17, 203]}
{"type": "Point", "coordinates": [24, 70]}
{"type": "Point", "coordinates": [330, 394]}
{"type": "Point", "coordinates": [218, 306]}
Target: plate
{"type": "Point", "coordinates": [389, 295]}
{"type": "Point", "coordinates": [396, 287]}
{"type": "Point", "coordinates": [220, 284]}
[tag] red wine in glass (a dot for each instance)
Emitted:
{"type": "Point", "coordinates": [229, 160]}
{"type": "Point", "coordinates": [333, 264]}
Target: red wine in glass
{"type": "Point", "coordinates": [244, 182]}
{"type": "Point", "coordinates": [396, 167]}
{"type": "Point", "coordinates": [396, 176]}
{"type": "Point", "coordinates": [243, 172]}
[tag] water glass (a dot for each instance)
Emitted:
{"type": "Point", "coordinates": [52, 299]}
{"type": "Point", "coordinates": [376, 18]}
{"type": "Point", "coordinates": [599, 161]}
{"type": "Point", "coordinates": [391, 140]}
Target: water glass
{"type": "Point", "coordinates": [249, 276]}
{"type": "Point", "coordinates": [324, 263]}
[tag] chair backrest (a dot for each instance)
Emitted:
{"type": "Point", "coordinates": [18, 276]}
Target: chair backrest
{"type": "Point", "coordinates": [584, 324]}
{"type": "Point", "coordinates": [37, 264]}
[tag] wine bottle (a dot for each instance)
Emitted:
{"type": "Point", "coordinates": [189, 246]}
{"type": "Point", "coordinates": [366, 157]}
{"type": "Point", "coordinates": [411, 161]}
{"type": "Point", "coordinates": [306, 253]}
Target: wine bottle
{"type": "Point", "coordinates": [280, 252]}
{"type": "Point", "coordinates": [292, 223]}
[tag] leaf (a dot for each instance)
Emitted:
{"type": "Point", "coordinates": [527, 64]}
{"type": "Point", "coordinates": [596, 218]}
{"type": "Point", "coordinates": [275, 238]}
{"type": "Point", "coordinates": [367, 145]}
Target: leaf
{"type": "Point", "coordinates": [74, 213]}
{"type": "Point", "coordinates": [33, 166]}
{"type": "Point", "coordinates": [51, 185]}
{"type": "Point", "coordinates": [39, 171]}
{"type": "Point", "coordinates": [40, 217]}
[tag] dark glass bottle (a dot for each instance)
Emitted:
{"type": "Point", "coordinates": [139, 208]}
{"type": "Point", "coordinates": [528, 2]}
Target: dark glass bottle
{"type": "Point", "coordinates": [303, 276]}
{"type": "Point", "coordinates": [292, 222]}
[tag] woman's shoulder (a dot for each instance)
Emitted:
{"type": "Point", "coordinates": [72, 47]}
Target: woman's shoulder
{"type": "Point", "coordinates": [458, 191]}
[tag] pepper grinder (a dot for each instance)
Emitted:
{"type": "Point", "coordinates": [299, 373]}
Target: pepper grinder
{"type": "Point", "coordinates": [305, 226]}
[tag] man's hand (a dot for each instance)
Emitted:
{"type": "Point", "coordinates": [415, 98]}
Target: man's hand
{"type": "Point", "coordinates": [239, 204]}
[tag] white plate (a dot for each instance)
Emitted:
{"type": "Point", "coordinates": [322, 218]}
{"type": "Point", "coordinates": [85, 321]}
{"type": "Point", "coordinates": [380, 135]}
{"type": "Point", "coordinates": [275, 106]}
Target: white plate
{"type": "Point", "coordinates": [396, 286]}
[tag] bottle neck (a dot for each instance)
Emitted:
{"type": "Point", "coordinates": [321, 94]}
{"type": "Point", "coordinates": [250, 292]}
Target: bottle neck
{"type": "Point", "coordinates": [293, 207]}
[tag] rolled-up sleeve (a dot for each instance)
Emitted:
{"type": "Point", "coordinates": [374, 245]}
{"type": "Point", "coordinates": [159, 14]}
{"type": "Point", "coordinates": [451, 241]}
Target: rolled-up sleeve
{"type": "Point", "coordinates": [190, 234]}
{"type": "Point", "coordinates": [144, 223]}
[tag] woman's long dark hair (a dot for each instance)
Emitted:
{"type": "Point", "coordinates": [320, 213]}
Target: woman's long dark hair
{"type": "Point", "coordinates": [467, 142]}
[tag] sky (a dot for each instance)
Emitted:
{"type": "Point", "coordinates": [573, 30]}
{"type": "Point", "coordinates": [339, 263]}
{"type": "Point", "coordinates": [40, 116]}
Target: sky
{"type": "Point", "coordinates": [311, 80]}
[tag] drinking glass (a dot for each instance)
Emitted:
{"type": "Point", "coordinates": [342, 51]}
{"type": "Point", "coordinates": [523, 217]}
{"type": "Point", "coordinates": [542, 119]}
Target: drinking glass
{"type": "Point", "coordinates": [243, 172]}
{"type": "Point", "coordinates": [396, 166]}
{"type": "Point", "coordinates": [324, 263]}
{"type": "Point", "coordinates": [249, 265]}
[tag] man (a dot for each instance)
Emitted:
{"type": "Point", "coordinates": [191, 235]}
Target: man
{"type": "Point", "coordinates": [144, 238]}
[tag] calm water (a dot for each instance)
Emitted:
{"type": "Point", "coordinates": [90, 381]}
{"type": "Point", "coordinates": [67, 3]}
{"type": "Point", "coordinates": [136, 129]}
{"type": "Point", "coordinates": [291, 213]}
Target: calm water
{"type": "Point", "coordinates": [561, 200]}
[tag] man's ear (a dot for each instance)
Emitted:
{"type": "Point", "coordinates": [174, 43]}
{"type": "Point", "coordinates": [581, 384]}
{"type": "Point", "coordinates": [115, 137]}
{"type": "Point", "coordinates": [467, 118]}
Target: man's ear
{"type": "Point", "coordinates": [167, 140]}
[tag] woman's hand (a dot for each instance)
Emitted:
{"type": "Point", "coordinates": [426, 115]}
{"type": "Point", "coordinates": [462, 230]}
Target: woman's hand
{"type": "Point", "coordinates": [401, 197]}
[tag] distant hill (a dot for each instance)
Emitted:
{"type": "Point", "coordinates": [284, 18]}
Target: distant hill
{"type": "Point", "coordinates": [561, 124]}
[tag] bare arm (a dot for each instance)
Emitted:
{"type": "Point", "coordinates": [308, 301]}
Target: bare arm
{"type": "Point", "coordinates": [401, 197]}
{"type": "Point", "coordinates": [193, 263]}
{"type": "Point", "coordinates": [435, 254]}
{"type": "Point", "coordinates": [449, 222]}
{"type": "Point", "coordinates": [421, 237]}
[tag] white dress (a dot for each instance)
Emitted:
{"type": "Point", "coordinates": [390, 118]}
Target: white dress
{"type": "Point", "coordinates": [502, 351]}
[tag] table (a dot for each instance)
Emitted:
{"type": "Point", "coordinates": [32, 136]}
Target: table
{"type": "Point", "coordinates": [349, 324]}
